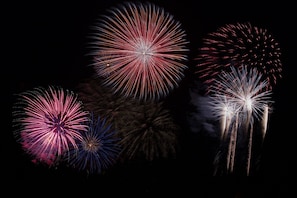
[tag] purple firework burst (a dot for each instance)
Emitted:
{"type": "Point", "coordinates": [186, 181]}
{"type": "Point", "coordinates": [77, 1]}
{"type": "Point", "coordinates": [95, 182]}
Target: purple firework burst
{"type": "Point", "coordinates": [140, 51]}
{"type": "Point", "coordinates": [239, 44]}
{"type": "Point", "coordinates": [48, 121]}
{"type": "Point", "coordinates": [98, 150]}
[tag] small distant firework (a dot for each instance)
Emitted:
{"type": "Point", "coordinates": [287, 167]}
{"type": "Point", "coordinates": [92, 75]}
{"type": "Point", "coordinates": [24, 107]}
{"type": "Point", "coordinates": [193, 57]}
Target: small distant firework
{"type": "Point", "coordinates": [48, 122]}
{"type": "Point", "coordinates": [237, 98]}
{"type": "Point", "coordinates": [146, 129]}
{"type": "Point", "coordinates": [140, 51]}
{"type": "Point", "coordinates": [238, 44]}
{"type": "Point", "coordinates": [98, 150]}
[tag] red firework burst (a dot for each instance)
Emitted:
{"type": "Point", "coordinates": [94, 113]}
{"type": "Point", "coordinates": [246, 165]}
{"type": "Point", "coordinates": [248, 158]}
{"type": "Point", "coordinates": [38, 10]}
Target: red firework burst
{"type": "Point", "coordinates": [140, 51]}
{"type": "Point", "coordinates": [239, 44]}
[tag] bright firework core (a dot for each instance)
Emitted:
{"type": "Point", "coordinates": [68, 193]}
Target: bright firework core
{"type": "Point", "coordinates": [91, 145]}
{"type": "Point", "coordinates": [56, 123]}
{"type": "Point", "coordinates": [144, 50]}
{"type": "Point", "coordinates": [248, 103]}
{"type": "Point", "coordinates": [228, 111]}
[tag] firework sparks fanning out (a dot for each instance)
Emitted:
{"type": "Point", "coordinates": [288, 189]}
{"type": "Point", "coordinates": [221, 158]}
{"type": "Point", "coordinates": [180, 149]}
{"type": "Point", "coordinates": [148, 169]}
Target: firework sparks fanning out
{"type": "Point", "coordinates": [98, 150]}
{"type": "Point", "coordinates": [224, 110]}
{"type": "Point", "coordinates": [140, 51]}
{"type": "Point", "coordinates": [48, 122]}
{"type": "Point", "coordinates": [238, 44]}
{"type": "Point", "coordinates": [239, 97]}
{"type": "Point", "coordinates": [243, 88]}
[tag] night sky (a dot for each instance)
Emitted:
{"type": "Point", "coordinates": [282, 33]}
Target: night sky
{"type": "Point", "coordinates": [47, 45]}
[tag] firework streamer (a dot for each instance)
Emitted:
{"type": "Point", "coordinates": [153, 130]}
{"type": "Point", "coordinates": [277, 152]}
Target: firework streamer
{"type": "Point", "coordinates": [239, 44]}
{"type": "Point", "coordinates": [225, 124]}
{"type": "Point", "coordinates": [98, 150]}
{"type": "Point", "coordinates": [248, 131]}
{"type": "Point", "coordinates": [264, 121]}
{"type": "Point", "coordinates": [48, 122]}
{"type": "Point", "coordinates": [232, 146]}
{"type": "Point", "coordinates": [140, 50]}
{"type": "Point", "coordinates": [249, 153]}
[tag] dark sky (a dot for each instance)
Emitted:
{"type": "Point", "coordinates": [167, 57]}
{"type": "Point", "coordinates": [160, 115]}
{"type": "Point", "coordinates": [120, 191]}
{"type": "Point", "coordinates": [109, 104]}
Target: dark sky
{"type": "Point", "coordinates": [47, 45]}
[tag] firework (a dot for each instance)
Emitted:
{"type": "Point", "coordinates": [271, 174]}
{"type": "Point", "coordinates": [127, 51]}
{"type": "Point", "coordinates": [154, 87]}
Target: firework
{"type": "Point", "coordinates": [98, 150]}
{"type": "Point", "coordinates": [239, 97]}
{"type": "Point", "coordinates": [48, 121]}
{"type": "Point", "coordinates": [243, 88]}
{"type": "Point", "coordinates": [150, 133]}
{"type": "Point", "coordinates": [146, 129]}
{"type": "Point", "coordinates": [224, 110]}
{"type": "Point", "coordinates": [264, 121]}
{"type": "Point", "coordinates": [140, 51]}
{"type": "Point", "coordinates": [237, 44]}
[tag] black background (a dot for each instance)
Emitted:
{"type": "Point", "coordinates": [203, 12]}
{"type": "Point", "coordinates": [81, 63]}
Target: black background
{"type": "Point", "coordinates": [47, 45]}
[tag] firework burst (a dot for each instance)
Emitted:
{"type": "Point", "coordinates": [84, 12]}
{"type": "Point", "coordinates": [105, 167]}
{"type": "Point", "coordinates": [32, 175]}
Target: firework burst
{"type": "Point", "coordinates": [48, 122]}
{"type": "Point", "coordinates": [237, 44]}
{"type": "Point", "coordinates": [243, 88]}
{"type": "Point", "coordinates": [140, 51]}
{"type": "Point", "coordinates": [238, 98]}
{"type": "Point", "coordinates": [98, 150]}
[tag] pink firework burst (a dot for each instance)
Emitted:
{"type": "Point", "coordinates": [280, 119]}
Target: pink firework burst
{"type": "Point", "coordinates": [140, 50]}
{"type": "Point", "coordinates": [239, 44]}
{"type": "Point", "coordinates": [48, 122]}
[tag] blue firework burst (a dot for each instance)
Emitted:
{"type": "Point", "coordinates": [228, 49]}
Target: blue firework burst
{"type": "Point", "coordinates": [99, 148]}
